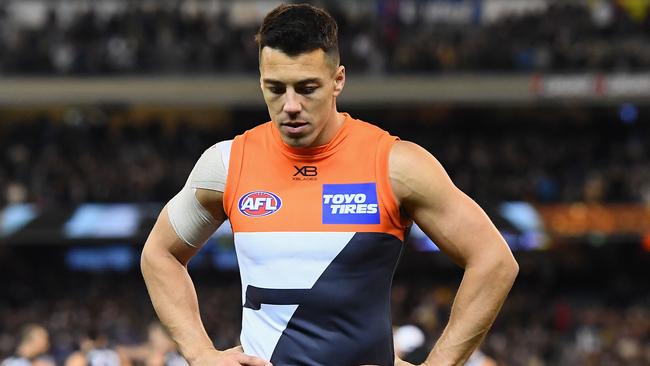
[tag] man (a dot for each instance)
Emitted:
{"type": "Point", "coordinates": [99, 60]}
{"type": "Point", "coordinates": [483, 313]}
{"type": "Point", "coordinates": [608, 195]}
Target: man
{"type": "Point", "coordinates": [159, 350]}
{"type": "Point", "coordinates": [94, 350]}
{"type": "Point", "coordinates": [34, 342]}
{"type": "Point", "coordinates": [319, 204]}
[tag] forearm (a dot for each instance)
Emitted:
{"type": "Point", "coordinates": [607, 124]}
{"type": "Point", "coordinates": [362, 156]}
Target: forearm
{"type": "Point", "coordinates": [479, 298]}
{"type": "Point", "coordinates": [174, 298]}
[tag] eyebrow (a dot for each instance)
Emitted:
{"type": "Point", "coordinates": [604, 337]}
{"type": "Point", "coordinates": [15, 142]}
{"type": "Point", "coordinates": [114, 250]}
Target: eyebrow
{"type": "Point", "coordinates": [304, 81]}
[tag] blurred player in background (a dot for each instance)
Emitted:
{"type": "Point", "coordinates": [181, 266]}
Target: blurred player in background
{"type": "Point", "coordinates": [32, 348]}
{"type": "Point", "coordinates": [320, 204]}
{"type": "Point", "coordinates": [159, 350]}
{"type": "Point", "coordinates": [94, 350]}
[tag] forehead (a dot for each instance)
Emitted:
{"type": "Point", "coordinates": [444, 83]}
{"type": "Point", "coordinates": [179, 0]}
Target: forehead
{"type": "Point", "coordinates": [277, 65]}
{"type": "Point", "coordinates": [39, 332]}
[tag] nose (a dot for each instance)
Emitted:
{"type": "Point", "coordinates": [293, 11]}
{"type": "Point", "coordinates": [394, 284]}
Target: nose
{"type": "Point", "coordinates": [292, 104]}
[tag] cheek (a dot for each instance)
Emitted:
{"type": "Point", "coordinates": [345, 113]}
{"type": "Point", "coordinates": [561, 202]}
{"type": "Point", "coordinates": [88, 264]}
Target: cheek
{"type": "Point", "coordinates": [274, 103]}
{"type": "Point", "coordinates": [321, 104]}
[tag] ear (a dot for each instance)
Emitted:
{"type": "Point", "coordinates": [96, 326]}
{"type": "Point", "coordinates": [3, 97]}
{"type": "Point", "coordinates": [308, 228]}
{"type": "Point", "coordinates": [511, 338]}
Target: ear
{"type": "Point", "coordinates": [339, 80]}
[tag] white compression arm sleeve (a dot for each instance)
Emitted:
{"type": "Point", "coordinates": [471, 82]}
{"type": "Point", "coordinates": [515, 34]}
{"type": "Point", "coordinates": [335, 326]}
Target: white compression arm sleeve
{"type": "Point", "coordinates": [191, 221]}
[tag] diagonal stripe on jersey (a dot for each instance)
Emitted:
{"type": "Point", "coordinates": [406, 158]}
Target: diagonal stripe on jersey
{"type": "Point", "coordinates": [280, 260]}
{"type": "Point", "coordinates": [304, 309]}
{"type": "Point", "coordinates": [345, 320]}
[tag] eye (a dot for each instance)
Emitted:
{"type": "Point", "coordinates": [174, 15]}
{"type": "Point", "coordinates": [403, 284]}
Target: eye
{"type": "Point", "coordinates": [306, 89]}
{"type": "Point", "coordinates": [277, 89]}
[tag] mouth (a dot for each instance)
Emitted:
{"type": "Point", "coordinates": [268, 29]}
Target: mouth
{"type": "Point", "coordinates": [294, 127]}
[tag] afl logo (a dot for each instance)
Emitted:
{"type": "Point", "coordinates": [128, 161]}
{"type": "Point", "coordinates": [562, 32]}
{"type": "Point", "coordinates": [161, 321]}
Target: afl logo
{"type": "Point", "coordinates": [259, 203]}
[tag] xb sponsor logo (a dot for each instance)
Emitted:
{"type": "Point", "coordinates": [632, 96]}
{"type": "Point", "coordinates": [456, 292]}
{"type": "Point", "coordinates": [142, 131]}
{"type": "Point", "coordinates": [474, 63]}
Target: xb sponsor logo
{"type": "Point", "coordinates": [305, 172]}
{"type": "Point", "coordinates": [354, 203]}
{"type": "Point", "coordinates": [259, 203]}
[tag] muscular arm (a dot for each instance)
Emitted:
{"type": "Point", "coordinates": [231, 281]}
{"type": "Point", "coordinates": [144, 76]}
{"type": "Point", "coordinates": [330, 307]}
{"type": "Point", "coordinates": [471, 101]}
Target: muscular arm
{"type": "Point", "coordinates": [187, 221]}
{"type": "Point", "coordinates": [164, 268]}
{"type": "Point", "coordinates": [464, 232]}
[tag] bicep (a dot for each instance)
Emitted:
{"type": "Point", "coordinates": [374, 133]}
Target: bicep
{"type": "Point", "coordinates": [184, 224]}
{"type": "Point", "coordinates": [163, 240]}
{"type": "Point", "coordinates": [448, 216]}
{"type": "Point", "coordinates": [191, 216]}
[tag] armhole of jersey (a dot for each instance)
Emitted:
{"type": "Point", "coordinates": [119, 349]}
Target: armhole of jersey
{"type": "Point", "coordinates": [384, 148]}
{"type": "Point", "coordinates": [233, 163]}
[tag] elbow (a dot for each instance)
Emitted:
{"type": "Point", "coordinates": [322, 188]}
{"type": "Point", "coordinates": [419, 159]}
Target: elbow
{"type": "Point", "coordinates": [506, 268]}
{"type": "Point", "coordinates": [145, 260]}
{"type": "Point", "coordinates": [512, 268]}
{"type": "Point", "coordinates": [501, 266]}
{"type": "Point", "coordinates": [149, 259]}
{"type": "Point", "coordinates": [156, 257]}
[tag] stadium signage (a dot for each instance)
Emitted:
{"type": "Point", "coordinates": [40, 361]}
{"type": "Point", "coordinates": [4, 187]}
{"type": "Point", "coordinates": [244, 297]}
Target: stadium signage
{"type": "Point", "coordinates": [591, 86]}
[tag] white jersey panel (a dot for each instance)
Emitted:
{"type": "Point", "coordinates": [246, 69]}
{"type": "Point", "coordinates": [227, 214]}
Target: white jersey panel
{"type": "Point", "coordinates": [261, 329]}
{"type": "Point", "coordinates": [280, 260]}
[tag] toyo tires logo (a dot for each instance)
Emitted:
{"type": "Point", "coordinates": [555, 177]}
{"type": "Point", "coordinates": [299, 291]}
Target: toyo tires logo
{"type": "Point", "coordinates": [259, 203]}
{"type": "Point", "coordinates": [354, 203]}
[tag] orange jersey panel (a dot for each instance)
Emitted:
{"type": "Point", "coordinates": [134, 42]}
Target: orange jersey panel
{"type": "Point", "coordinates": [343, 186]}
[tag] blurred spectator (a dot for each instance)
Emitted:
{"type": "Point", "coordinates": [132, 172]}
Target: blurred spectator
{"type": "Point", "coordinates": [376, 36]}
{"type": "Point", "coordinates": [478, 358]}
{"type": "Point", "coordinates": [94, 350]}
{"type": "Point", "coordinates": [595, 330]}
{"type": "Point", "coordinates": [33, 344]}
{"type": "Point", "coordinates": [539, 155]}
{"type": "Point", "coordinates": [159, 349]}
{"type": "Point", "coordinates": [408, 338]}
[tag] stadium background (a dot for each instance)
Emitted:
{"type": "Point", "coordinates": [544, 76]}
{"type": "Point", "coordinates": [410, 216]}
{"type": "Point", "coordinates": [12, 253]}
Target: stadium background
{"type": "Point", "coordinates": [538, 109]}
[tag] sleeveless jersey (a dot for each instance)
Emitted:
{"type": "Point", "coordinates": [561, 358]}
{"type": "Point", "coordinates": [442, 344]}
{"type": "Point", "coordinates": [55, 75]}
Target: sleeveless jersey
{"type": "Point", "coordinates": [318, 235]}
{"type": "Point", "coordinates": [102, 357]}
{"type": "Point", "coordinates": [16, 361]}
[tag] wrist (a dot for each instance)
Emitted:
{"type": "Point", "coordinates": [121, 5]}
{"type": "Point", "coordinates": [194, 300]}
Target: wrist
{"type": "Point", "coordinates": [196, 354]}
{"type": "Point", "coordinates": [438, 359]}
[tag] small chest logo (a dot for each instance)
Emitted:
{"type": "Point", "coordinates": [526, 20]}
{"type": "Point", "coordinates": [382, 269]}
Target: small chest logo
{"type": "Point", "coordinates": [305, 172]}
{"type": "Point", "coordinates": [350, 204]}
{"type": "Point", "coordinates": [259, 203]}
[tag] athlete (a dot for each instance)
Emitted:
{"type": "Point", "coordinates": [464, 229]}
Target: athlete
{"type": "Point", "coordinates": [94, 350]}
{"type": "Point", "coordinates": [33, 344]}
{"type": "Point", "coordinates": [319, 203]}
{"type": "Point", "coordinates": [159, 350]}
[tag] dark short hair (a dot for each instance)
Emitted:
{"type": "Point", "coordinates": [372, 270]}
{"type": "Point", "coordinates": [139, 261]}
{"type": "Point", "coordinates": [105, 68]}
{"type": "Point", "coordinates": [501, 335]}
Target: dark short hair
{"type": "Point", "coordinates": [298, 28]}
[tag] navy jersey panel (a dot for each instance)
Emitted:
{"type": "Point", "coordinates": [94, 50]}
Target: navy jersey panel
{"type": "Point", "coordinates": [345, 319]}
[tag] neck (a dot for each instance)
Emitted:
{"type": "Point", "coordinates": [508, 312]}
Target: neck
{"type": "Point", "coordinates": [332, 128]}
{"type": "Point", "coordinates": [26, 352]}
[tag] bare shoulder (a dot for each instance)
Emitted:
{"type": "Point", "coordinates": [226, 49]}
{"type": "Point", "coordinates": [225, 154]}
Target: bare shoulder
{"type": "Point", "coordinates": [416, 176]}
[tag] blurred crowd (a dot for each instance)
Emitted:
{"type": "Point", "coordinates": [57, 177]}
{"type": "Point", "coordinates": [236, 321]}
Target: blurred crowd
{"type": "Point", "coordinates": [83, 159]}
{"type": "Point", "coordinates": [376, 36]}
{"type": "Point", "coordinates": [539, 155]}
{"type": "Point", "coordinates": [535, 328]}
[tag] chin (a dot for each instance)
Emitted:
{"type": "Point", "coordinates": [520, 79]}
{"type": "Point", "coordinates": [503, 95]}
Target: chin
{"type": "Point", "coordinates": [297, 141]}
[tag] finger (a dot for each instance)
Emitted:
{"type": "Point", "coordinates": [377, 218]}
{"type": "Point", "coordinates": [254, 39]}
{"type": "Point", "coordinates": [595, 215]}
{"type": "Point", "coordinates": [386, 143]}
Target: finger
{"type": "Point", "coordinates": [252, 361]}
